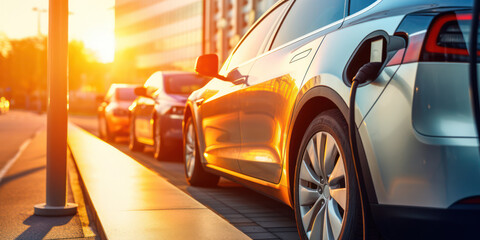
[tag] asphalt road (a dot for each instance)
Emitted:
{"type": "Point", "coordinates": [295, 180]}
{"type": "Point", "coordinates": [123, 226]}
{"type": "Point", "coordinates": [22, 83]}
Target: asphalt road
{"type": "Point", "coordinates": [255, 214]}
{"type": "Point", "coordinates": [16, 127]}
{"type": "Point", "coordinates": [23, 183]}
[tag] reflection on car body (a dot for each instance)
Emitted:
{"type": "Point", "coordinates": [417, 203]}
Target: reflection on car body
{"type": "Point", "coordinates": [113, 111]}
{"type": "Point", "coordinates": [274, 117]}
{"type": "Point", "coordinates": [157, 113]}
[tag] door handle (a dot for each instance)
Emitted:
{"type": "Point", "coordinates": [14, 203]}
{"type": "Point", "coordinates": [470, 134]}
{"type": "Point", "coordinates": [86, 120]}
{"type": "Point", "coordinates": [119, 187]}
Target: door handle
{"type": "Point", "coordinates": [301, 55]}
{"type": "Point", "coordinates": [199, 102]}
{"type": "Point", "coordinates": [242, 80]}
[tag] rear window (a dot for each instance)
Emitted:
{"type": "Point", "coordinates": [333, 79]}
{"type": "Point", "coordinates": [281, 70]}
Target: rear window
{"type": "Point", "coordinates": [307, 16]}
{"type": "Point", "coordinates": [357, 5]}
{"type": "Point", "coordinates": [126, 94]}
{"type": "Point", "coordinates": [183, 83]}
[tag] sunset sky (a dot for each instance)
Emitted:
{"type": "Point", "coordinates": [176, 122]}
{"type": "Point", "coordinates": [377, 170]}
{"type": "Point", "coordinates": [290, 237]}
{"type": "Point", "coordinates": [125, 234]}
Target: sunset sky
{"type": "Point", "coordinates": [92, 21]}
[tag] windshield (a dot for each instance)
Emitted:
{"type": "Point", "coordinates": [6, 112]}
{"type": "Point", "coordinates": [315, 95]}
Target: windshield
{"type": "Point", "coordinates": [184, 83]}
{"type": "Point", "coordinates": [126, 94]}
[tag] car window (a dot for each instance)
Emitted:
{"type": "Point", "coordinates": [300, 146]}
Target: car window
{"type": "Point", "coordinates": [357, 5]}
{"type": "Point", "coordinates": [306, 16]}
{"type": "Point", "coordinates": [126, 94]}
{"type": "Point", "coordinates": [183, 83]}
{"type": "Point", "coordinates": [154, 81]}
{"type": "Point", "coordinates": [251, 44]}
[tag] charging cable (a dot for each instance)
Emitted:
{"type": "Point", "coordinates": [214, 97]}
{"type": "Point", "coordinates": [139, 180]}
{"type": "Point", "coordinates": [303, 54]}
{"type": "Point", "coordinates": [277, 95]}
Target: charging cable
{"type": "Point", "coordinates": [367, 72]}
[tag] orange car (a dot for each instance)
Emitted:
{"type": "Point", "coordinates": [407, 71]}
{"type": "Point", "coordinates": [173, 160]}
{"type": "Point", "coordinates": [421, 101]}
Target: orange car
{"type": "Point", "coordinates": [113, 111]}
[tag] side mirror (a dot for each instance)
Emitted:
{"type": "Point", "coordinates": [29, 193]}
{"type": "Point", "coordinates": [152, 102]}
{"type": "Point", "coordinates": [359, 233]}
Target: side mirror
{"type": "Point", "coordinates": [140, 91]}
{"type": "Point", "coordinates": [207, 65]}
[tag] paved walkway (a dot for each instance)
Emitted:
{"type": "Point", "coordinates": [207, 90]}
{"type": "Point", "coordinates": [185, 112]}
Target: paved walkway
{"type": "Point", "coordinates": [132, 202]}
{"type": "Point", "coordinates": [23, 186]}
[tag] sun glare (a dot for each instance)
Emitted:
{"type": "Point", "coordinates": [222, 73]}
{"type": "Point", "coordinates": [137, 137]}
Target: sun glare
{"type": "Point", "coordinates": [102, 43]}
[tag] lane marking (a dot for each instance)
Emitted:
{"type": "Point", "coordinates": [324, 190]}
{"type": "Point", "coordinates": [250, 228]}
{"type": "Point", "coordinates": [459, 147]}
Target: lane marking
{"type": "Point", "coordinates": [17, 155]}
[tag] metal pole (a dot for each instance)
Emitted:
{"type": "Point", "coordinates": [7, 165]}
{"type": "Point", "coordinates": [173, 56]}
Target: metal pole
{"type": "Point", "coordinates": [57, 113]}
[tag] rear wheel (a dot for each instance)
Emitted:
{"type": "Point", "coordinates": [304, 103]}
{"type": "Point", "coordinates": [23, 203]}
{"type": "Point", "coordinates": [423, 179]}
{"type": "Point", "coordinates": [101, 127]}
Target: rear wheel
{"type": "Point", "coordinates": [133, 144]}
{"type": "Point", "coordinates": [327, 203]}
{"type": "Point", "coordinates": [194, 172]}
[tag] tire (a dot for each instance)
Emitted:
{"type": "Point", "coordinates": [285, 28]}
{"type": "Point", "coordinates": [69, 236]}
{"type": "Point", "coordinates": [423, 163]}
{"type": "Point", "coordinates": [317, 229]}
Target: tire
{"type": "Point", "coordinates": [133, 144]}
{"type": "Point", "coordinates": [158, 145]}
{"type": "Point", "coordinates": [110, 137]}
{"type": "Point", "coordinates": [194, 172]}
{"type": "Point", "coordinates": [326, 198]}
{"type": "Point", "coordinates": [104, 130]}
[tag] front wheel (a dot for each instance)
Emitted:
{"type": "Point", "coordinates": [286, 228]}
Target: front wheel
{"type": "Point", "coordinates": [133, 144]}
{"type": "Point", "coordinates": [194, 172]}
{"type": "Point", "coordinates": [158, 144]}
{"type": "Point", "coordinates": [104, 129]}
{"type": "Point", "coordinates": [327, 202]}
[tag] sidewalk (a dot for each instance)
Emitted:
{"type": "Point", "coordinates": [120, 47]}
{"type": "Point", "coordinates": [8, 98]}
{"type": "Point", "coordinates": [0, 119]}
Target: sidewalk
{"type": "Point", "coordinates": [22, 187]}
{"type": "Point", "coordinates": [129, 201]}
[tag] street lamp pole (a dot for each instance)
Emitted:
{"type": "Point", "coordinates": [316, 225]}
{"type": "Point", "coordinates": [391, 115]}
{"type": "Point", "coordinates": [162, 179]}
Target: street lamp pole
{"type": "Point", "coordinates": [56, 204]}
{"type": "Point", "coordinates": [39, 11]}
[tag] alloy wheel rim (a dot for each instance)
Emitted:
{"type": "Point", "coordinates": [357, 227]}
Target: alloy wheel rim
{"type": "Point", "coordinates": [323, 188]}
{"type": "Point", "coordinates": [190, 151]}
{"type": "Point", "coordinates": [132, 133]}
{"type": "Point", "coordinates": [103, 131]}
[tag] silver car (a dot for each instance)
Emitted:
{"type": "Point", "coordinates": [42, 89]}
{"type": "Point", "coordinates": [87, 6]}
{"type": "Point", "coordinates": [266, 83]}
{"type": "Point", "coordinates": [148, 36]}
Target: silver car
{"type": "Point", "coordinates": [275, 118]}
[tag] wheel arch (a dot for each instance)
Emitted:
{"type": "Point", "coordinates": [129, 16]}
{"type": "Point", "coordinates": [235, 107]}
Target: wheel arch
{"type": "Point", "coordinates": [313, 102]}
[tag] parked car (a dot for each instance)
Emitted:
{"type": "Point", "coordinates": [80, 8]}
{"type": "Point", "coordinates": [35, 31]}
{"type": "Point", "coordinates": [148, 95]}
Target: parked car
{"type": "Point", "coordinates": [4, 105]}
{"type": "Point", "coordinates": [113, 111]}
{"type": "Point", "coordinates": [275, 118]}
{"type": "Point", "coordinates": [156, 115]}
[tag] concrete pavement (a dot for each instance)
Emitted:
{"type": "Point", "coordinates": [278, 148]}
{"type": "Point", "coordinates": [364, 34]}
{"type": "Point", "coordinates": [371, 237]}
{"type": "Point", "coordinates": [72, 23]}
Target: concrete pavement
{"type": "Point", "coordinates": [256, 215]}
{"type": "Point", "coordinates": [130, 201]}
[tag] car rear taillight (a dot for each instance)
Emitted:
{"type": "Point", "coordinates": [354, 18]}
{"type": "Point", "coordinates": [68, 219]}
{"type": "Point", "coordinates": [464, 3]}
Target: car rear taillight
{"type": "Point", "coordinates": [120, 112]}
{"type": "Point", "coordinates": [447, 38]}
{"type": "Point", "coordinates": [471, 200]}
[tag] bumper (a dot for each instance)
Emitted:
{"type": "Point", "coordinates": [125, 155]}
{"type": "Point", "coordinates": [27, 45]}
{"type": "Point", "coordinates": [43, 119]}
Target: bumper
{"type": "Point", "coordinates": [119, 125]}
{"type": "Point", "coordinates": [409, 168]}
{"type": "Point", "coordinates": [400, 222]}
{"type": "Point", "coordinates": [171, 127]}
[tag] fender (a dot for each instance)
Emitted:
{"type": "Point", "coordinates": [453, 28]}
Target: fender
{"type": "Point", "coordinates": [305, 95]}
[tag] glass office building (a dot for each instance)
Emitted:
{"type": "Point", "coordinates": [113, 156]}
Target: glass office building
{"type": "Point", "coordinates": [154, 35]}
{"type": "Point", "coordinates": [157, 35]}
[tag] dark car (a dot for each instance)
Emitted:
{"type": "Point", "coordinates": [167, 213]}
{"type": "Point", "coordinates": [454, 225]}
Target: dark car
{"type": "Point", "coordinates": [113, 111]}
{"type": "Point", "coordinates": [157, 113]}
{"type": "Point", "coordinates": [276, 117]}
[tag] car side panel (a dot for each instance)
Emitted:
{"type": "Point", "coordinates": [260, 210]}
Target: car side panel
{"type": "Point", "coordinates": [328, 67]}
{"type": "Point", "coordinates": [266, 104]}
{"type": "Point", "coordinates": [143, 117]}
{"type": "Point", "coordinates": [217, 113]}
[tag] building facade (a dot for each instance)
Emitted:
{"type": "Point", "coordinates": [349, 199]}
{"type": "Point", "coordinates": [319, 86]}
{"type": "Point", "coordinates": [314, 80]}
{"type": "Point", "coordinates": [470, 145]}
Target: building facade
{"type": "Point", "coordinates": [226, 21]}
{"type": "Point", "coordinates": [154, 35]}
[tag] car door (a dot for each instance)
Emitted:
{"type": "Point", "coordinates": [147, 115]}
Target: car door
{"type": "Point", "coordinates": [219, 106]}
{"type": "Point", "coordinates": [269, 94]}
{"type": "Point", "coordinates": [145, 108]}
